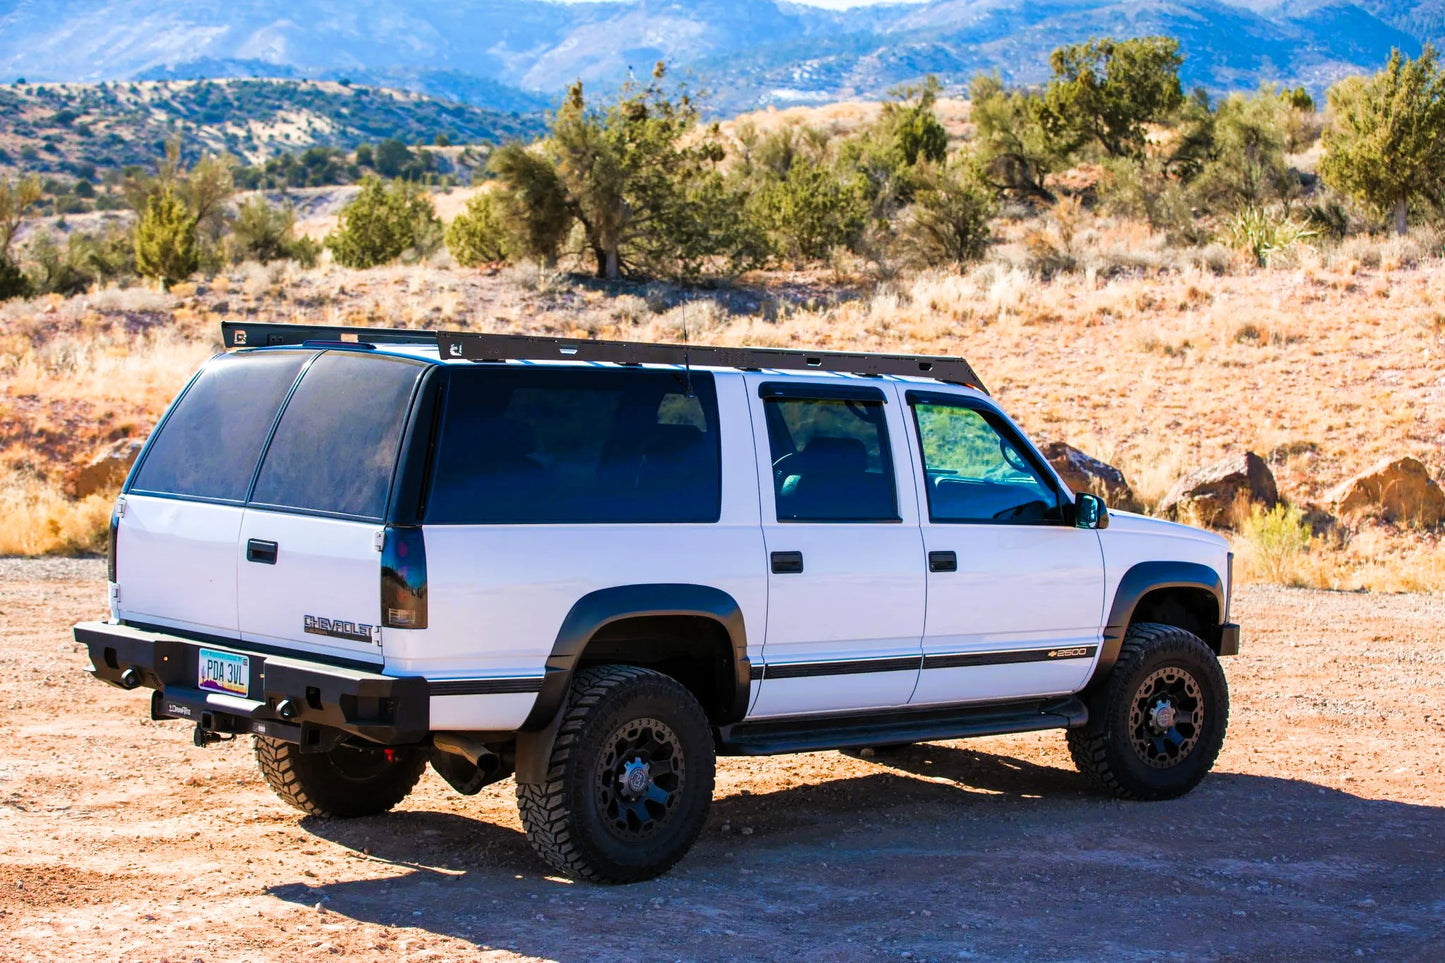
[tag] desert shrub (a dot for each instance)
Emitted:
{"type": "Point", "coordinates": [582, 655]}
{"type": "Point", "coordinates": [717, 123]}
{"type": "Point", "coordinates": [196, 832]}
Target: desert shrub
{"type": "Point", "coordinates": [1275, 542]}
{"type": "Point", "coordinates": [1247, 166]}
{"type": "Point", "coordinates": [1143, 188]}
{"type": "Point", "coordinates": [477, 235]}
{"type": "Point", "coordinates": [948, 222]}
{"type": "Point", "coordinates": [1265, 234]}
{"type": "Point", "coordinates": [165, 238]}
{"type": "Point", "coordinates": [384, 223]}
{"type": "Point", "coordinates": [13, 282]}
{"type": "Point", "coordinates": [812, 210]}
{"type": "Point", "coordinates": [264, 233]}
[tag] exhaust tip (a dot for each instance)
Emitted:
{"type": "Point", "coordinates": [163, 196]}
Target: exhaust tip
{"type": "Point", "coordinates": [130, 678]}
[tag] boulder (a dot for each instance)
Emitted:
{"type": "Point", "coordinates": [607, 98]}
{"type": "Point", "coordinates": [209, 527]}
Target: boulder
{"type": "Point", "coordinates": [1397, 490]}
{"type": "Point", "coordinates": [1210, 492]}
{"type": "Point", "coordinates": [1084, 473]}
{"type": "Point", "coordinates": [107, 470]}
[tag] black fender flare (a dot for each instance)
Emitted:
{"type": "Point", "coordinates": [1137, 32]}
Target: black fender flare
{"type": "Point", "coordinates": [596, 610]}
{"type": "Point", "coordinates": [1139, 581]}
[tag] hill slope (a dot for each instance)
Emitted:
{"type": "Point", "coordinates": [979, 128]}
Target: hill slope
{"type": "Point", "coordinates": [55, 127]}
{"type": "Point", "coordinates": [518, 54]}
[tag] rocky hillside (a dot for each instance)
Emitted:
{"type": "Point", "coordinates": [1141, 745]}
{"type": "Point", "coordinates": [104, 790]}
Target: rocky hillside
{"type": "Point", "coordinates": [80, 128]}
{"type": "Point", "coordinates": [517, 54]}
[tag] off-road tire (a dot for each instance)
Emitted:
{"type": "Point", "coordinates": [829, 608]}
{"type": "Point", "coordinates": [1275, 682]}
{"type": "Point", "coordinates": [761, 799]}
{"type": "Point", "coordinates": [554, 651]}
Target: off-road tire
{"type": "Point", "coordinates": [343, 783]}
{"type": "Point", "coordinates": [579, 820]}
{"type": "Point", "coordinates": [1119, 749]}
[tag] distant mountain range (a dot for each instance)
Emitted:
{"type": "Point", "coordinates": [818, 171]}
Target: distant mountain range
{"type": "Point", "coordinates": [518, 55]}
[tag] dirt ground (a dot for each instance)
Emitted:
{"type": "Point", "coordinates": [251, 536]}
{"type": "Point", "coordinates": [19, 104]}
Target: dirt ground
{"type": "Point", "coordinates": [1321, 835]}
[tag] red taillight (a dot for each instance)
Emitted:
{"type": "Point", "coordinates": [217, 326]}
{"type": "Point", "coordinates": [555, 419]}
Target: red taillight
{"type": "Point", "coordinates": [403, 579]}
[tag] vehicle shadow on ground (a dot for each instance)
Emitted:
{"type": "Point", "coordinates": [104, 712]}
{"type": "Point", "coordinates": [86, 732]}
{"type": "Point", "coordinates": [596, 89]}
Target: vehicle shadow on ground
{"type": "Point", "coordinates": [1243, 865]}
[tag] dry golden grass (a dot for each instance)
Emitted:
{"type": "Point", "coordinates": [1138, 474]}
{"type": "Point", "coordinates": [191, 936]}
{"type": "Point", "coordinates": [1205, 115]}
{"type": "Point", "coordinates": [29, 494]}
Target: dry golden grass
{"type": "Point", "coordinates": [1322, 368]}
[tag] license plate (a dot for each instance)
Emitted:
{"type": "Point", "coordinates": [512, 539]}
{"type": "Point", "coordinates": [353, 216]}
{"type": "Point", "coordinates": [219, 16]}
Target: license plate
{"type": "Point", "coordinates": [223, 672]}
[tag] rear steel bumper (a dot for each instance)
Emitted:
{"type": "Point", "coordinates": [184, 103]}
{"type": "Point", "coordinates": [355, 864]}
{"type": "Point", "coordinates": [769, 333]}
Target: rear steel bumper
{"type": "Point", "coordinates": [321, 702]}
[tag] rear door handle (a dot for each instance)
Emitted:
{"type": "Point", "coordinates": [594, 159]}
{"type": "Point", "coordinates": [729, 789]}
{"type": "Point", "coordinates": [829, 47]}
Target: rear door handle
{"type": "Point", "coordinates": [942, 562]}
{"type": "Point", "coordinates": [259, 551]}
{"type": "Point", "coordinates": [787, 563]}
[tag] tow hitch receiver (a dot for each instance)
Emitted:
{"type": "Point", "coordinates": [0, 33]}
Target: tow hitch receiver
{"type": "Point", "coordinates": [204, 737]}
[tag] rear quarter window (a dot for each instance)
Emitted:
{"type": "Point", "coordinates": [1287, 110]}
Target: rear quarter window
{"type": "Point", "coordinates": [209, 443]}
{"type": "Point", "coordinates": [335, 448]}
{"type": "Point", "coordinates": [577, 446]}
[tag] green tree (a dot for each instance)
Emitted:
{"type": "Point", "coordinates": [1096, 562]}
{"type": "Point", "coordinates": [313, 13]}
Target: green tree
{"type": "Point", "coordinates": [1016, 152]}
{"type": "Point", "coordinates": [627, 175]}
{"type": "Point", "coordinates": [15, 199]}
{"type": "Point", "coordinates": [477, 235]}
{"type": "Point", "coordinates": [165, 238]}
{"type": "Point", "coordinates": [1385, 145]}
{"type": "Point", "coordinates": [912, 126]}
{"type": "Point", "coordinates": [533, 200]}
{"type": "Point", "coordinates": [382, 223]}
{"type": "Point", "coordinates": [1105, 91]}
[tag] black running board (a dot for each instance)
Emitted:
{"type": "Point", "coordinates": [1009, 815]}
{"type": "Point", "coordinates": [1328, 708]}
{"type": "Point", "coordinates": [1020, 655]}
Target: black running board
{"type": "Point", "coordinates": [771, 737]}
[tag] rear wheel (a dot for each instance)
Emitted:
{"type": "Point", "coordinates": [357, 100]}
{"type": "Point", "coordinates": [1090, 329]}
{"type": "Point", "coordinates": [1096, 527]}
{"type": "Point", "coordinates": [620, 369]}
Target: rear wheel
{"type": "Point", "coordinates": [629, 780]}
{"type": "Point", "coordinates": [1157, 723]}
{"type": "Point", "coordinates": [344, 782]}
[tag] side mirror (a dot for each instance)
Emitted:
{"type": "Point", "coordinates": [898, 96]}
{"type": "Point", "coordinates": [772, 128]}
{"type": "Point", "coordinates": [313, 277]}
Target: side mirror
{"type": "Point", "coordinates": [1090, 511]}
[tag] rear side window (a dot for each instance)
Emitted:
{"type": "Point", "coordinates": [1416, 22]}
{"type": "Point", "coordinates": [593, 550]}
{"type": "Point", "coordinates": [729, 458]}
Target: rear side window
{"type": "Point", "coordinates": [335, 448]}
{"type": "Point", "coordinates": [830, 460]}
{"type": "Point", "coordinates": [209, 444]}
{"type": "Point", "coordinates": [577, 445]}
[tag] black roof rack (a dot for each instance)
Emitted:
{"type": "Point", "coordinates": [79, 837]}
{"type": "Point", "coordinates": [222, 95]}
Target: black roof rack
{"type": "Point", "coordinates": [519, 347]}
{"type": "Point", "coordinates": [243, 334]}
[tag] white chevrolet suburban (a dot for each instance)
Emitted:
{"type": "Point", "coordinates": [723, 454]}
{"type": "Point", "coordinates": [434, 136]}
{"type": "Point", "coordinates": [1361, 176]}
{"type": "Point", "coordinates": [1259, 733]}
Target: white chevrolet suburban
{"type": "Point", "coordinates": [599, 564]}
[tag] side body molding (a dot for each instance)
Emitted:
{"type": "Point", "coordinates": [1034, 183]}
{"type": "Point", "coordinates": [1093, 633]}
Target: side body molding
{"type": "Point", "coordinates": [596, 610]}
{"type": "Point", "coordinates": [1138, 582]}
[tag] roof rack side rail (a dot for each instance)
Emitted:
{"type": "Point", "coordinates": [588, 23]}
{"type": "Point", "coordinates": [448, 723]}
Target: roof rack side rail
{"type": "Point", "coordinates": [516, 347]}
{"type": "Point", "coordinates": [243, 334]}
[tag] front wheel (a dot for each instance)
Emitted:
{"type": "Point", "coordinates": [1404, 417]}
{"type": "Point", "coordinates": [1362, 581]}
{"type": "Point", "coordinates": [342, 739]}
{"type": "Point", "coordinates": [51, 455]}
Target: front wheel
{"type": "Point", "coordinates": [1157, 723]}
{"type": "Point", "coordinates": [629, 780]}
{"type": "Point", "coordinates": [344, 782]}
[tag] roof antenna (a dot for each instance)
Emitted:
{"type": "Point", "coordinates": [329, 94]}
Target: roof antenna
{"type": "Point", "coordinates": [686, 350]}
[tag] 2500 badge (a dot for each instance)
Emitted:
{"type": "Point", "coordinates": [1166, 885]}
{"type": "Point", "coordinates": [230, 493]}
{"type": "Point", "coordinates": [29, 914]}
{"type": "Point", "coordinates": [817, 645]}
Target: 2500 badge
{"type": "Point", "coordinates": [338, 629]}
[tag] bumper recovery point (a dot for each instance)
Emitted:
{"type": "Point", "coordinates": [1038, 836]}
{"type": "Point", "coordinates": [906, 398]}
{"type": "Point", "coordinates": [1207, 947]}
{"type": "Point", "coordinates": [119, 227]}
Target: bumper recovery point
{"type": "Point", "coordinates": [310, 703]}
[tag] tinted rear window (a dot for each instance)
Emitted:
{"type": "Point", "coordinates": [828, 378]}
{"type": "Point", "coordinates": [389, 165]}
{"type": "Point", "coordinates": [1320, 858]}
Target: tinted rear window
{"type": "Point", "coordinates": [568, 445]}
{"type": "Point", "coordinates": [335, 448]}
{"type": "Point", "coordinates": [209, 444]}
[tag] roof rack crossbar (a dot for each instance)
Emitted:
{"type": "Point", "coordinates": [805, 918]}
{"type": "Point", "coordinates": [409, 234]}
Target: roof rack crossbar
{"type": "Point", "coordinates": [515, 347]}
{"type": "Point", "coordinates": [520, 347]}
{"type": "Point", "coordinates": [244, 334]}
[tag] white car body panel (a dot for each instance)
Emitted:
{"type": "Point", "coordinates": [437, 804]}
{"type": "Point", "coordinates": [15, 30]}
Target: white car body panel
{"type": "Point", "coordinates": [1133, 539]}
{"type": "Point", "coordinates": [860, 595]}
{"type": "Point", "coordinates": [498, 594]}
{"type": "Point", "coordinates": [176, 564]}
{"type": "Point", "coordinates": [1018, 587]}
{"type": "Point", "coordinates": [326, 567]}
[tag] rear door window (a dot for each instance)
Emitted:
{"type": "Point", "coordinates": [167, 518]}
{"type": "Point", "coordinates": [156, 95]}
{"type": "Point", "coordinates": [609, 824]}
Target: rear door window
{"type": "Point", "coordinates": [830, 459]}
{"type": "Point", "coordinates": [577, 445]}
{"type": "Point", "coordinates": [210, 442]}
{"type": "Point", "coordinates": [335, 448]}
